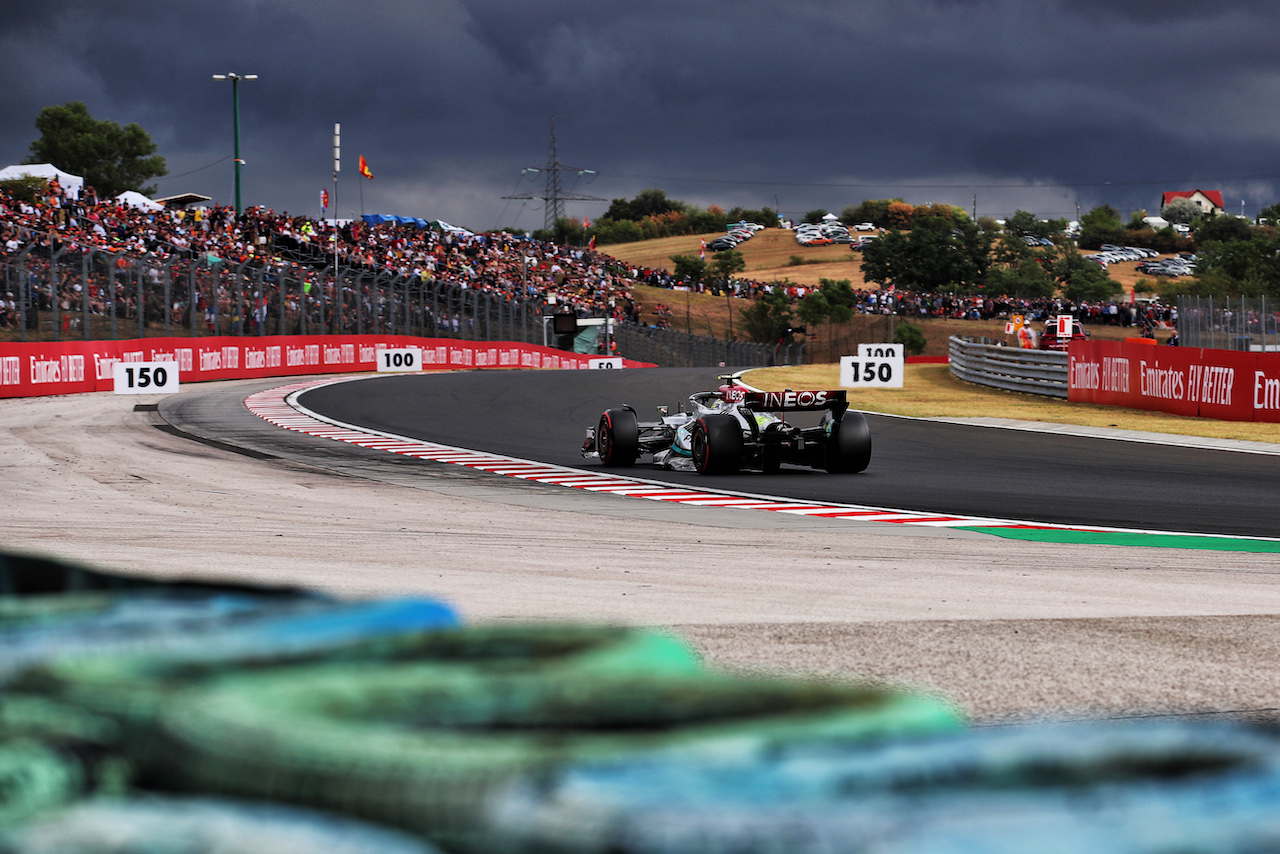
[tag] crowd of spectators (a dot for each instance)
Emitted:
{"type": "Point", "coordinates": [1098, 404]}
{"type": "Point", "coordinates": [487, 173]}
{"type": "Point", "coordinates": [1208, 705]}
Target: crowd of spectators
{"type": "Point", "coordinates": [561, 277]}
{"type": "Point", "coordinates": [504, 265]}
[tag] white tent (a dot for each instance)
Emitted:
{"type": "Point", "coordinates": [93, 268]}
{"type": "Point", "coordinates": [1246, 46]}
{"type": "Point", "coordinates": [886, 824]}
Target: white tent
{"type": "Point", "coordinates": [444, 226]}
{"type": "Point", "coordinates": [71, 184]}
{"type": "Point", "coordinates": [829, 217]}
{"type": "Point", "coordinates": [134, 199]}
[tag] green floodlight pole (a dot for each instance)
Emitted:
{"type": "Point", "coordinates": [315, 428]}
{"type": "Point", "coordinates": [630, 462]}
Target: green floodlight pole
{"type": "Point", "coordinates": [235, 124]}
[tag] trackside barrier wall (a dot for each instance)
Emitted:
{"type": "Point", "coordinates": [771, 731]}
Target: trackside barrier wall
{"type": "Point", "coordinates": [1223, 384]}
{"type": "Point", "coordinates": [33, 369]}
{"type": "Point", "coordinates": [982, 361]}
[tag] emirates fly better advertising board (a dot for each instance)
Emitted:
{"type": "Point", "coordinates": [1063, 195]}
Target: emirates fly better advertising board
{"type": "Point", "coordinates": [69, 367]}
{"type": "Point", "coordinates": [1223, 384]}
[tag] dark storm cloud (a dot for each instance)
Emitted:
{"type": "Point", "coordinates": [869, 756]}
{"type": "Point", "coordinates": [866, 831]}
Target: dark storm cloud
{"type": "Point", "coordinates": [1041, 106]}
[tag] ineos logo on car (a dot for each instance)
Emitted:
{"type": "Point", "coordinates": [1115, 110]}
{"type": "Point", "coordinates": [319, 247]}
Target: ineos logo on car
{"type": "Point", "coordinates": [795, 399]}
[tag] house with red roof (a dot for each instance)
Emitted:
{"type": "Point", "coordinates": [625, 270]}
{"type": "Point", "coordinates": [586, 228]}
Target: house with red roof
{"type": "Point", "coordinates": [1209, 201]}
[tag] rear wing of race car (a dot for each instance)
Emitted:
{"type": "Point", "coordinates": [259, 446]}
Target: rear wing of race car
{"type": "Point", "coordinates": [790, 400]}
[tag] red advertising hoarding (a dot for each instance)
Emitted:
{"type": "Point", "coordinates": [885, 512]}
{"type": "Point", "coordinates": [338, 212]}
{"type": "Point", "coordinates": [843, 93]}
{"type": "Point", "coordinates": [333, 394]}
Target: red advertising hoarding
{"type": "Point", "coordinates": [68, 367]}
{"type": "Point", "coordinates": [1222, 384]}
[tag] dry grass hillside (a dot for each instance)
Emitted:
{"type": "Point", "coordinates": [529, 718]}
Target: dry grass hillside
{"type": "Point", "coordinates": [767, 257]}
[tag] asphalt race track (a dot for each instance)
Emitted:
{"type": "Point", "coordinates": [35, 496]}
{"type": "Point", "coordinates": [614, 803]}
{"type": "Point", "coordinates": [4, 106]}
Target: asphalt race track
{"type": "Point", "coordinates": [916, 465]}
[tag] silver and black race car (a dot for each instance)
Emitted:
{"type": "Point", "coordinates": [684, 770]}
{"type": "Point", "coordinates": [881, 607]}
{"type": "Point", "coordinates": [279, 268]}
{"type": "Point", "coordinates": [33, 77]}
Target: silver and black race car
{"type": "Point", "coordinates": [734, 428]}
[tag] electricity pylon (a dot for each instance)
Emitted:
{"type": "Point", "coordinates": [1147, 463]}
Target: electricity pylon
{"type": "Point", "coordinates": [554, 196]}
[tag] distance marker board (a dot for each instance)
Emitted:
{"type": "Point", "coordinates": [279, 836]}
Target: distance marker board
{"type": "Point", "coordinates": [875, 366]}
{"type": "Point", "coordinates": [399, 360]}
{"type": "Point", "coordinates": [144, 377]}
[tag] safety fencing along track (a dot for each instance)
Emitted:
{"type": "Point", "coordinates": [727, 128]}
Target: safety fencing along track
{"type": "Point", "coordinates": [982, 361]}
{"type": "Point", "coordinates": [280, 407]}
{"type": "Point", "coordinates": [113, 295]}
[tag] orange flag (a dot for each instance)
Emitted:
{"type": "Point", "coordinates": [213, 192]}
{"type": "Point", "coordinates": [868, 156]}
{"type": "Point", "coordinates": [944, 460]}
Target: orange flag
{"type": "Point", "coordinates": [364, 169]}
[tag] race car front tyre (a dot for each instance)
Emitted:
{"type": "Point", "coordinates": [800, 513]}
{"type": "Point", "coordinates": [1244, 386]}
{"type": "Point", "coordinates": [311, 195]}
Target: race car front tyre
{"type": "Point", "coordinates": [850, 448]}
{"type": "Point", "coordinates": [717, 444]}
{"type": "Point", "coordinates": [618, 438]}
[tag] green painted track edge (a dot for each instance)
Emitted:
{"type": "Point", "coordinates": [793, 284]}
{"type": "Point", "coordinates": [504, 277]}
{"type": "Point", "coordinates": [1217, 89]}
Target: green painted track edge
{"type": "Point", "coordinates": [1131, 538]}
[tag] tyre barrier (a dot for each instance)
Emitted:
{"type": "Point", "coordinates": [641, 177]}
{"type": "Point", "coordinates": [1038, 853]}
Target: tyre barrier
{"type": "Point", "coordinates": [421, 746]}
{"type": "Point", "coordinates": [25, 575]}
{"type": "Point", "coordinates": [39, 629]}
{"type": "Point", "coordinates": [130, 690]}
{"type": "Point", "coordinates": [37, 775]}
{"type": "Point", "coordinates": [201, 826]}
{"type": "Point", "coordinates": [1052, 789]}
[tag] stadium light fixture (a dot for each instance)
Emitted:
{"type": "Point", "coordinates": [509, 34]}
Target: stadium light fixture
{"type": "Point", "coordinates": [235, 125]}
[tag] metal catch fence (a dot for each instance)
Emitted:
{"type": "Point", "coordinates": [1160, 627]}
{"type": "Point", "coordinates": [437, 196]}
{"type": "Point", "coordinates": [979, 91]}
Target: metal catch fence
{"type": "Point", "coordinates": [1236, 323]}
{"type": "Point", "coordinates": [68, 293]}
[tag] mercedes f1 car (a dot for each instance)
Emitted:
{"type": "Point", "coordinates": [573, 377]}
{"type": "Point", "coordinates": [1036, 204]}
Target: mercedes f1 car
{"type": "Point", "coordinates": [734, 428]}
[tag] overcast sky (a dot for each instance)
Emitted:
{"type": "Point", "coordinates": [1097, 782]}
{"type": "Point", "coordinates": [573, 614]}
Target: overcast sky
{"type": "Point", "coordinates": [1032, 104]}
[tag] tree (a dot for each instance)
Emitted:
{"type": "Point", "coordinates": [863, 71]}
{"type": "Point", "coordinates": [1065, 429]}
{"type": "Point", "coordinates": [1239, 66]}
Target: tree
{"type": "Point", "coordinates": [1083, 280]}
{"type": "Point", "coordinates": [1238, 268]}
{"type": "Point", "coordinates": [1024, 223]}
{"type": "Point", "coordinates": [839, 294]}
{"type": "Point", "coordinates": [950, 212]}
{"type": "Point", "coordinates": [566, 230]}
{"type": "Point", "coordinates": [764, 216]}
{"type": "Point", "coordinates": [1026, 279]}
{"type": "Point", "coordinates": [111, 159]}
{"type": "Point", "coordinates": [832, 303]}
{"type": "Point", "coordinates": [1224, 229]}
{"type": "Point", "coordinates": [616, 231]}
{"type": "Point", "coordinates": [1018, 270]}
{"type": "Point", "coordinates": [936, 255]}
{"type": "Point", "coordinates": [689, 267]}
{"type": "Point", "coordinates": [1269, 216]}
{"type": "Point", "coordinates": [726, 265]}
{"type": "Point", "coordinates": [648, 202]}
{"type": "Point", "coordinates": [874, 211]}
{"type": "Point", "coordinates": [26, 188]}
{"type": "Point", "coordinates": [813, 309]}
{"type": "Point", "coordinates": [1181, 210]}
{"type": "Point", "coordinates": [900, 214]}
{"type": "Point", "coordinates": [766, 320]}
{"type": "Point", "coordinates": [1100, 225]}
{"type": "Point", "coordinates": [910, 337]}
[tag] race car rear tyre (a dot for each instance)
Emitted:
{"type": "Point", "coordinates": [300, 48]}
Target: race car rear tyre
{"type": "Point", "coordinates": [770, 459]}
{"type": "Point", "coordinates": [850, 448]}
{"type": "Point", "coordinates": [618, 438]}
{"type": "Point", "coordinates": [717, 444]}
